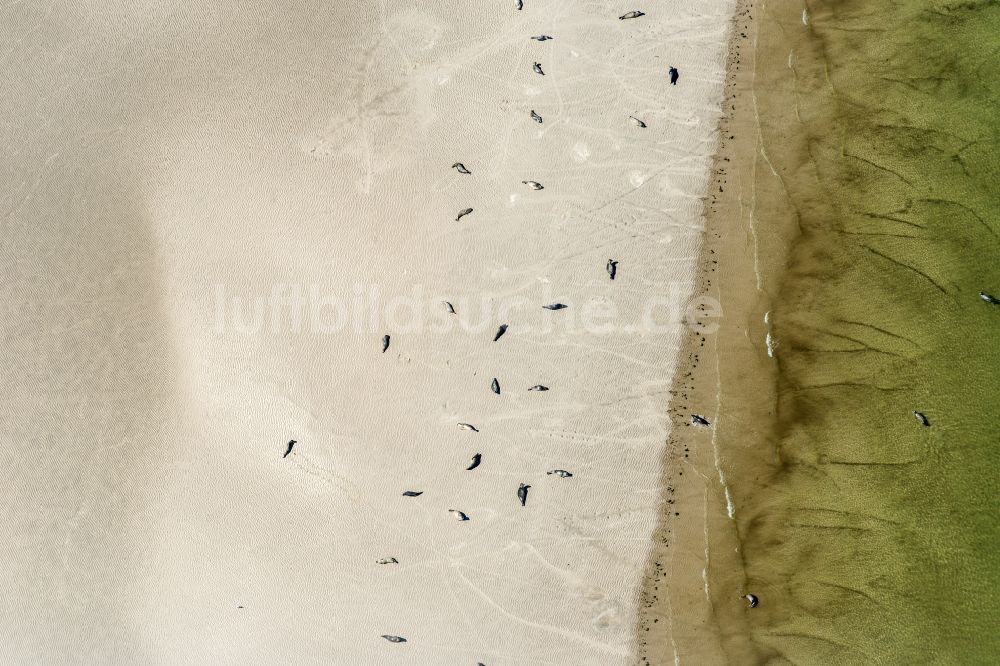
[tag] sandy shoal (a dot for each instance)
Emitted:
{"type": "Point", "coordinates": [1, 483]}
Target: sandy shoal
{"type": "Point", "coordinates": [213, 218]}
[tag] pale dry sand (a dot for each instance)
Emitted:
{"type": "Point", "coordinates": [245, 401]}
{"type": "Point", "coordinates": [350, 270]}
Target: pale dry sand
{"type": "Point", "coordinates": [171, 163]}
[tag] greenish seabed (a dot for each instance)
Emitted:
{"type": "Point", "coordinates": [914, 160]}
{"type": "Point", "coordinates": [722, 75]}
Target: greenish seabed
{"type": "Point", "coordinates": [870, 538]}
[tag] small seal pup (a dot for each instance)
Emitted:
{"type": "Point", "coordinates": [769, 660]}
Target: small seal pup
{"type": "Point", "coordinates": [698, 419]}
{"type": "Point", "coordinates": [462, 213]}
{"type": "Point", "coordinates": [533, 185]}
{"type": "Point", "coordinates": [555, 306]}
{"type": "Point", "coordinates": [674, 75]}
{"type": "Point", "coordinates": [561, 473]}
{"type": "Point", "coordinates": [522, 494]}
{"type": "Point", "coordinates": [394, 639]}
{"type": "Point", "coordinates": [500, 332]}
{"type": "Point", "coordinates": [921, 417]}
{"type": "Point", "coordinates": [385, 343]}
{"type": "Point", "coordinates": [630, 15]}
{"type": "Point", "coordinates": [458, 515]}
{"type": "Point", "coordinates": [412, 493]}
{"type": "Point", "coordinates": [387, 560]}
{"type": "Point", "coordinates": [612, 268]}
{"type": "Point", "coordinates": [541, 38]}
{"type": "Point", "coordinates": [752, 600]}
{"type": "Point", "coordinates": [459, 167]}
{"type": "Point", "coordinates": [538, 387]}
{"type": "Point", "coordinates": [468, 426]}
{"type": "Point", "coordinates": [537, 118]}
{"type": "Point", "coordinates": [637, 122]}
{"type": "Point", "coordinates": [538, 68]}
{"type": "Point", "coordinates": [989, 298]}
{"type": "Point", "coordinates": [476, 459]}
{"type": "Point", "coordinates": [495, 386]}
{"type": "Point", "coordinates": [291, 445]}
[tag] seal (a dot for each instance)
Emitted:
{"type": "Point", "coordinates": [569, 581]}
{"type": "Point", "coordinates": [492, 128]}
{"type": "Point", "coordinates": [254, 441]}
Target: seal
{"type": "Point", "coordinates": [752, 600]}
{"type": "Point", "coordinates": [412, 493]}
{"type": "Point", "coordinates": [393, 639]}
{"type": "Point", "coordinates": [561, 473]}
{"type": "Point", "coordinates": [533, 185]}
{"type": "Point", "coordinates": [476, 459]}
{"type": "Point", "coordinates": [522, 494]}
{"type": "Point", "coordinates": [538, 68]}
{"type": "Point", "coordinates": [495, 386]}
{"type": "Point", "coordinates": [555, 306]}
{"type": "Point", "coordinates": [291, 445]}
{"type": "Point", "coordinates": [459, 167]}
{"type": "Point", "coordinates": [458, 515]}
{"type": "Point", "coordinates": [674, 75]}
{"type": "Point", "coordinates": [989, 298]}
{"type": "Point", "coordinates": [500, 332]}
{"type": "Point", "coordinates": [449, 307]}
{"type": "Point", "coordinates": [541, 38]}
{"type": "Point", "coordinates": [468, 426]}
{"type": "Point", "coordinates": [462, 213]}
{"type": "Point", "coordinates": [538, 387]}
{"type": "Point", "coordinates": [920, 417]}
{"type": "Point", "coordinates": [637, 122]}
{"type": "Point", "coordinates": [519, 5]}
{"type": "Point", "coordinates": [630, 15]}
{"type": "Point", "coordinates": [698, 419]}
{"type": "Point", "coordinates": [385, 343]}
{"type": "Point", "coordinates": [537, 118]}
{"type": "Point", "coordinates": [612, 268]}
{"type": "Point", "coordinates": [387, 560]}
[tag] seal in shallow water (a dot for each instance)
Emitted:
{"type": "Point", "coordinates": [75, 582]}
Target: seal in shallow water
{"type": "Point", "coordinates": [920, 417]}
{"type": "Point", "coordinates": [698, 419]}
{"type": "Point", "coordinates": [752, 599]}
{"type": "Point", "coordinates": [989, 298]}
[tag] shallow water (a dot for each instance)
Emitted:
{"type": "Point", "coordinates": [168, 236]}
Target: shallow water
{"type": "Point", "coordinates": [869, 537]}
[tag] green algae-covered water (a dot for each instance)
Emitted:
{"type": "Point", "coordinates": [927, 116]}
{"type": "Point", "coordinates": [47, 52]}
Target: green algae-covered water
{"type": "Point", "coordinates": [870, 538]}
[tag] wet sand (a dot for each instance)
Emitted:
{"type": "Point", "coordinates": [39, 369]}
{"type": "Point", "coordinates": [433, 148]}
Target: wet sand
{"type": "Point", "coordinates": [216, 218]}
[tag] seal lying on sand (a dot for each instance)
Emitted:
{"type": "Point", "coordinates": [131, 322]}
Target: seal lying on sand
{"type": "Point", "coordinates": [674, 75]}
{"type": "Point", "coordinates": [637, 122]}
{"type": "Point", "coordinates": [387, 560]}
{"type": "Point", "coordinates": [989, 298]}
{"type": "Point", "coordinates": [920, 417]}
{"type": "Point", "coordinates": [495, 386]}
{"type": "Point", "coordinates": [476, 459]}
{"type": "Point", "coordinates": [291, 445]}
{"type": "Point", "coordinates": [533, 185]}
{"type": "Point", "coordinates": [522, 494]}
{"type": "Point", "coordinates": [385, 343]}
{"type": "Point", "coordinates": [394, 639]}
{"type": "Point", "coordinates": [541, 38]}
{"type": "Point", "coordinates": [500, 332]}
{"type": "Point", "coordinates": [458, 515]}
{"type": "Point", "coordinates": [459, 167]}
{"type": "Point", "coordinates": [561, 473]}
{"type": "Point", "coordinates": [555, 306]}
{"type": "Point", "coordinates": [468, 426]}
{"type": "Point", "coordinates": [538, 387]}
{"type": "Point", "coordinates": [534, 116]}
{"type": "Point", "coordinates": [412, 493]}
{"type": "Point", "coordinates": [462, 213]}
{"type": "Point", "coordinates": [630, 15]}
{"type": "Point", "coordinates": [538, 68]}
{"type": "Point", "coordinates": [612, 268]}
